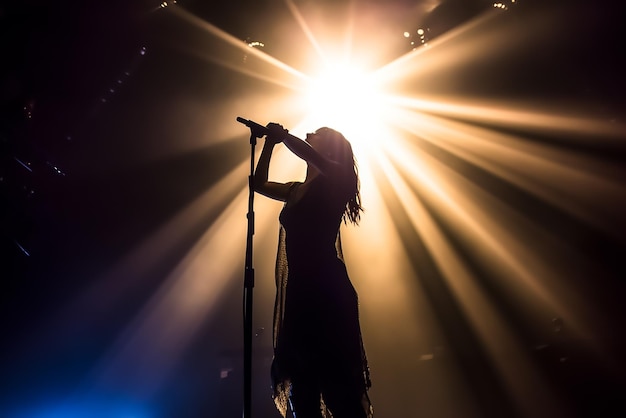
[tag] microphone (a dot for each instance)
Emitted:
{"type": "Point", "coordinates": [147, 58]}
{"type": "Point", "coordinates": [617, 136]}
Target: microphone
{"type": "Point", "coordinates": [256, 128]}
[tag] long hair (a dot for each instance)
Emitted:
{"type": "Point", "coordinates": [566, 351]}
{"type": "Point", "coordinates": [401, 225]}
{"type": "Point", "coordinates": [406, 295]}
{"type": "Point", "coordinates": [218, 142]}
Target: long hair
{"type": "Point", "coordinates": [339, 149]}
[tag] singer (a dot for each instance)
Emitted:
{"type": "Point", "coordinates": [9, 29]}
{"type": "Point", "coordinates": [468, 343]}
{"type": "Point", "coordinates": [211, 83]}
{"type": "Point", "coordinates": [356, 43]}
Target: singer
{"type": "Point", "coordinates": [319, 359]}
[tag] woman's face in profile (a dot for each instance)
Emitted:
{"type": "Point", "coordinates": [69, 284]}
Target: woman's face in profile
{"type": "Point", "coordinates": [320, 143]}
{"type": "Point", "coordinates": [313, 139]}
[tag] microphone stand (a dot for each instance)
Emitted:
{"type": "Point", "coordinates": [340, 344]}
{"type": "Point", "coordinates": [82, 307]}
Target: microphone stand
{"type": "Point", "coordinates": [249, 282]}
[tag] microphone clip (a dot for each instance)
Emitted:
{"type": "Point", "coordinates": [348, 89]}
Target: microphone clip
{"type": "Point", "coordinates": [256, 130]}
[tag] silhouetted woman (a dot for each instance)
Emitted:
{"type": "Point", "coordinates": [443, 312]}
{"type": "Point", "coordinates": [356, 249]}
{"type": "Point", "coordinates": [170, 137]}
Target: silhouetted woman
{"type": "Point", "coordinates": [319, 360]}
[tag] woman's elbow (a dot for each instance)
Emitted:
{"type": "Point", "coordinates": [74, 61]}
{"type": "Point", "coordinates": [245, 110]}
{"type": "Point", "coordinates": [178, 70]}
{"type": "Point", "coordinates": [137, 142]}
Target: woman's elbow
{"type": "Point", "coordinates": [259, 185]}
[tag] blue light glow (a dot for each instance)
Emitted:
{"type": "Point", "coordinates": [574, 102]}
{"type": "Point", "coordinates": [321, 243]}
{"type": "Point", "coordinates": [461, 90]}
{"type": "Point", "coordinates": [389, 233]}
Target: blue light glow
{"type": "Point", "coordinates": [83, 409]}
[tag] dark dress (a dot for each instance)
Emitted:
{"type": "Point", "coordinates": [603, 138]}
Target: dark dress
{"type": "Point", "coordinates": [317, 334]}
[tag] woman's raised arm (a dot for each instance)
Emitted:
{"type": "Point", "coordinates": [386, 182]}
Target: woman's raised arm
{"type": "Point", "coordinates": [273, 190]}
{"type": "Point", "coordinates": [302, 149]}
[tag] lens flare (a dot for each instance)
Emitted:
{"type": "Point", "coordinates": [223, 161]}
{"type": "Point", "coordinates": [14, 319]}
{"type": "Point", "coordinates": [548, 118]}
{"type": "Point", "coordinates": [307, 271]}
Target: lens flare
{"type": "Point", "coordinates": [348, 99]}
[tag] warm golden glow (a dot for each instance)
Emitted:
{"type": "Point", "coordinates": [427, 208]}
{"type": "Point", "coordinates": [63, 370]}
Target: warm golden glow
{"type": "Point", "coordinates": [460, 183]}
{"type": "Point", "coordinates": [347, 99]}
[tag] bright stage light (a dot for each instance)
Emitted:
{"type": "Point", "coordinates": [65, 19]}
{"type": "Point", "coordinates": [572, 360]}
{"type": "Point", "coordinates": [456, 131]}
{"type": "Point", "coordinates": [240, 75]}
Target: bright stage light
{"type": "Point", "coordinates": [348, 99]}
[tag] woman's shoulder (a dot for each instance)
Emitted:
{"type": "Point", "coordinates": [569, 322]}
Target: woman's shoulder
{"type": "Point", "coordinates": [340, 180]}
{"type": "Point", "coordinates": [293, 187]}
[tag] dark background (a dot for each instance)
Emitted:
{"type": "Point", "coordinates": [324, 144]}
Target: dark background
{"type": "Point", "coordinates": [86, 90]}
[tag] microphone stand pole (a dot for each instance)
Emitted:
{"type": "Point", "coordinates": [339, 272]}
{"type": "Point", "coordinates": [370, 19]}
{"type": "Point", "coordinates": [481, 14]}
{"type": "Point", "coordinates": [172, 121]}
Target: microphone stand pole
{"type": "Point", "coordinates": [249, 284]}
